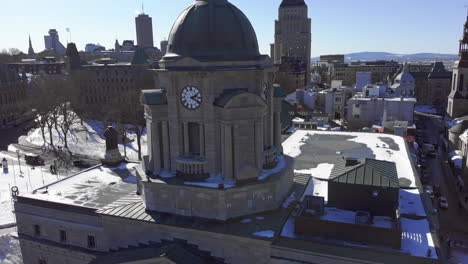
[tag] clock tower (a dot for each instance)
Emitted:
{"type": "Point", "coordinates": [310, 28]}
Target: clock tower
{"type": "Point", "coordinates": [214, 119]}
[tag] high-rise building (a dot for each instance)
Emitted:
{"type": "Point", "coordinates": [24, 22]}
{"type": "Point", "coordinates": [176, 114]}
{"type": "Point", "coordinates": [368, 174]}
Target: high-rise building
{"type": "Point", "coordinates": [164, 47]}
{"type": "Point", "coordinates": [30, 49]}
{"type": "Point", "coordinates": [52, 42]}
{"type": "Point", "coordinates": [458, 98]}
{"type": "Point", "coordinates": [293, 33]}
{"type": "Point", "coordinates": [144, 30]}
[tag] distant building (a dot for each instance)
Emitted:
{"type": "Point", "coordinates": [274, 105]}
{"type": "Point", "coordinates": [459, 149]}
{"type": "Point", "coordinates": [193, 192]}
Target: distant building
{"type": "Point", "coordinates": [47, 66]}
{"type": "Point", "coordinates": [30, 49]}
{"type": "Point", "coordinates": [293, 35]}
{"type": "Point", "coordinates": [103, 87]}
{"type": "Point", "coordinates": [404, 84]}
{"type": "Point", "coordinates": [368, 111]}
{"type": "Point", "coordinates": [291, 74]}
{"type": "Point", "coordinates": [164, 47]}
{"type": "Point", "coordinates": [339, 58]}
{"type": "Point", "coordinates": [438, 89]}
{"type": "Point", "coordinates": [52, 42]}
{"type": "Point", "coordinates": [90, 47]}
{"type": "Point", "coordinates": [333, 102]}
{"type": "Point", "coordinates": [144, 31]}
{"type": "Point", "coordinates": [458, 98]}
{"type": "Point", "coordinates": [12, 95]}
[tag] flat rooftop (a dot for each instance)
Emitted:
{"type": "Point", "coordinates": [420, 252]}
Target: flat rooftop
{"type": "Point", "coordinates": [316, 154]}
{"type": "Point", "coordinates": [93, 188]}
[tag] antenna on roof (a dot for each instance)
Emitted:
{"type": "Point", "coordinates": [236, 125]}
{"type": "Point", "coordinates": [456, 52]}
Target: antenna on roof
{"type": "Point", "coordinates": [142, 8]}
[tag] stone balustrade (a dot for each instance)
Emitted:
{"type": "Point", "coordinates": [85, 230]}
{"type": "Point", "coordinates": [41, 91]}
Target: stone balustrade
{"type": "Point", "coordinates": [191, 165]}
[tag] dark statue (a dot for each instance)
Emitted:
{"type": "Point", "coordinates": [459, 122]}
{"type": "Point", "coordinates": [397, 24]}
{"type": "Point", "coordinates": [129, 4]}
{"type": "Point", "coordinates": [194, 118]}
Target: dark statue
{"type": "Point", "coordinates": [111, 136]}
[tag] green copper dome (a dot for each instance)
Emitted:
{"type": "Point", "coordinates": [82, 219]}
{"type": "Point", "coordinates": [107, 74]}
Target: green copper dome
{"type": "Point", "coordinates": [213, 30]}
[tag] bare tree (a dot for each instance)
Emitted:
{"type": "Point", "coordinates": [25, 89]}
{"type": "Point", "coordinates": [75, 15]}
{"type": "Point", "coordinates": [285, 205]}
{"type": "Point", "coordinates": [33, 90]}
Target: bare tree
{"type": "Point", "coordinates": [68, 118]}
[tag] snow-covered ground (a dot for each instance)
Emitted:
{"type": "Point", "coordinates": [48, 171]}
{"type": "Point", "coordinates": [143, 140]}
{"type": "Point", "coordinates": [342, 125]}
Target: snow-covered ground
{"type": "Point", "coordinates": [10, 252]}
{"type": "Point", "coordinates": [87, 139]}
{"type": "Point", "coordinates": [26, 178]}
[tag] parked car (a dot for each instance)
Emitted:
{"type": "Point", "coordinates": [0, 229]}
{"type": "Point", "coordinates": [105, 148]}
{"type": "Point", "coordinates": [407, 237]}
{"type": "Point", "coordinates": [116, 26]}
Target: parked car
{"type": "Point", "coordinates": [429, 190]}
{"type": "Point", "coordinates": [437, 191]}
{"type": "Point", "coordinates": [34, 160]}
{"type": "Point", "coordinates": [443, 204]}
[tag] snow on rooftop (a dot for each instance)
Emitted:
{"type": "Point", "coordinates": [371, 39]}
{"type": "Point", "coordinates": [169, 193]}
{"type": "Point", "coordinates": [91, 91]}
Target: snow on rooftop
{"type": "Point", "coordinates": [93, 188]}
{"type": "Point", "coordinates": [10, 251]}
{"type": "Point", "coordinates": [410, 203]}
{"type": "Point", "coordinates": [417, 238]}
{"type": "Point", "coordinates": [377, 146]}
{"type": "Point", "coordinates": [322, 171]}
{"type": "Point", "coordinates": [266, 233]}
{"type": "Point", "coordinates": [349, 217]}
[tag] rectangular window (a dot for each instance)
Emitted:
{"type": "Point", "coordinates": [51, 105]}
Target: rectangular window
{"type": "Point", "coordinates": [42, 261]}
{"type": "Point", "coordinates": [37, 230]}
{"type": "Point", "coordinates": [63, 236]}
{"type": "Point", "coordinates": [91, 242]}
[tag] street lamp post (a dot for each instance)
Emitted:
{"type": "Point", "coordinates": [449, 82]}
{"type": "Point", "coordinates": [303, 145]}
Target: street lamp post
{"type": "Point", "coordinates": [19, 162]}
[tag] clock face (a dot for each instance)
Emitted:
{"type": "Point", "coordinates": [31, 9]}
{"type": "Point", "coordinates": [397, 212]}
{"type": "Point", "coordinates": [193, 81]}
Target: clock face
{"type": "Point", "coordinates": [191, 97]}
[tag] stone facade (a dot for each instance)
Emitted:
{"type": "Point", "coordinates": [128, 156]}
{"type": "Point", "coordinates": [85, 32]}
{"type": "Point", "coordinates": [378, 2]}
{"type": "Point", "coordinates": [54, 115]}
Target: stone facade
{"type": "Point", "coordinates": [108, 91]}
{"type": "Point", "coordinates": [12, 96]}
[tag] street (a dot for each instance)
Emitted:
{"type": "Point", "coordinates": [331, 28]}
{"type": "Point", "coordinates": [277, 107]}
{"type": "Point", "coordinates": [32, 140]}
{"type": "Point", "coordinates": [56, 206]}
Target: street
{"type": "Point", "coordinates": [452, 221]}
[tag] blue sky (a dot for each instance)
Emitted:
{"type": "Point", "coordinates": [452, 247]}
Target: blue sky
{"type": "Point", "coordinates": [338, 26]}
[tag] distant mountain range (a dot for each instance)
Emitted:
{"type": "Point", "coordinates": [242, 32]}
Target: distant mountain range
{"type": "Point", "coordinates": [372, 56]}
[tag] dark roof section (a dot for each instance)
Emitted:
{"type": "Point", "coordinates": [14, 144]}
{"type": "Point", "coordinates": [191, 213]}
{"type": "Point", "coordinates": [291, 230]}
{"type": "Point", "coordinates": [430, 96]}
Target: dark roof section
{"type": "Point", "coordinates": [366, 172]}
{"type": "Point", "coordinates": [211, 30]}
{"type": "Point", "coordinates": [140, 57]}
{"type": "Point", "coordinates": [279, 92]}
{"type": "Point", "coordinates": [166, 252]}
{"type": "Point", "coordinates": [439, 72]}
{"type": "Point", "coordinates": [291, 3]}
{"type": "Point", "coordinates": [153, 97]}
{"type": "Point", "coordinates": [460, 127]}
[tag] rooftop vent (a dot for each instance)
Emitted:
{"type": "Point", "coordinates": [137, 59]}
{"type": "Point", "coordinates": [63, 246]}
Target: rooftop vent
{"type": "Point", "coordinates": [351, 162]}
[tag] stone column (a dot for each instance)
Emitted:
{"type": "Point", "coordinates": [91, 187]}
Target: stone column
{"type": "Point", "coordinates": [156, 149]}
{"type": "Point", "coordinates": [228, 152]}
{"type": "Point", "coordinates": [259, 143]}
{"type": "Point", "coordinates": [223, 147]}
{"type": "Point", "coordinates": [202, 139]}
{"type": "Point", "coordinates": [166, 143]}
{"type": "Point", "coordinates": [186, 138]}
{"type": "Point", "coordinates": [277, 133]}
{"type": "Point", "coordinates": [149, 139]}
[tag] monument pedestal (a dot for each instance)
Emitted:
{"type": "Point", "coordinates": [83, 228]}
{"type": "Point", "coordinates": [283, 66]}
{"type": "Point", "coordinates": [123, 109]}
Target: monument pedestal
{"type": "Point", "coordinates": [112, 158]}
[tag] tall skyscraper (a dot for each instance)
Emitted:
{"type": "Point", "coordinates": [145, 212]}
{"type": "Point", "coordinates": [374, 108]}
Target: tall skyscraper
{"type": "Point", "coordinates": [144, 30]}
{"type": "Point", "coordinates": [30, 49]}
{"type": "Point", "coordinates": [52, 42]}
{"type": "Point", "coordinates": [458, 99]}
{"type": "Point", "coordinates": [164, 47]}
{"type": "Point", "coordinates": [293, 33]}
